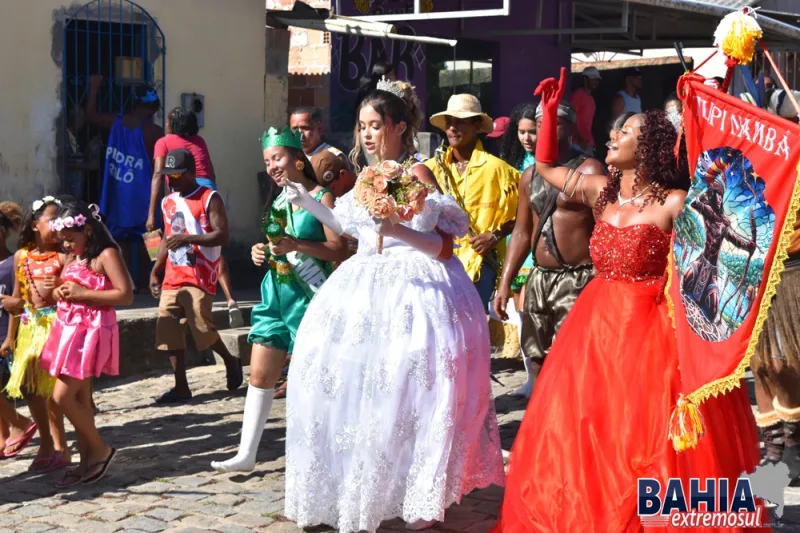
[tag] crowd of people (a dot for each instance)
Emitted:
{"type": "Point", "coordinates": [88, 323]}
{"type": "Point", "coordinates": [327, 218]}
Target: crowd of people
{"type": "Point", "coordinates": [389, 405]}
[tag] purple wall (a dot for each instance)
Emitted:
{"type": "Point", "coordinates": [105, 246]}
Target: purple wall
{"type": "Point", "coordinates": [519, 62]}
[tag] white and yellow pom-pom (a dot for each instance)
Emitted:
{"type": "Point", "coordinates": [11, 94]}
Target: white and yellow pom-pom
{"type": "Point", "coordinates": [737, 34]}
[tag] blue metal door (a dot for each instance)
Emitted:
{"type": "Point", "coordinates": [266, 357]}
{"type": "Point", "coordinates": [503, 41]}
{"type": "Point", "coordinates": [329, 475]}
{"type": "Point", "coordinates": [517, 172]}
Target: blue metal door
{"type": "Point", "coordinates": [120, 41]}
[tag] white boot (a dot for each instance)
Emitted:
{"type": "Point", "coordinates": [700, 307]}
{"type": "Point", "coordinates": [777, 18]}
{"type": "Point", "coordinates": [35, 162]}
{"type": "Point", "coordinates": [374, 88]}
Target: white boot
{"type": "Point", "coordinates": [257, 405]}
{"type": "Point", "coordinates": [527, 388]}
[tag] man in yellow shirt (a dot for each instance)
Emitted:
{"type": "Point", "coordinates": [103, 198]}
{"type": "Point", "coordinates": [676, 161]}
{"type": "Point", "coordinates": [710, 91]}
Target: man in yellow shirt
{"type": "Point", "coordinates": [486, 188]}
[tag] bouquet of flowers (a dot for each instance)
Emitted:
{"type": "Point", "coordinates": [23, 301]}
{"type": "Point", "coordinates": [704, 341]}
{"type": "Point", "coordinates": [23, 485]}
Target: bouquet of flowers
{"type": "Point", "coordinates": [390, 190]}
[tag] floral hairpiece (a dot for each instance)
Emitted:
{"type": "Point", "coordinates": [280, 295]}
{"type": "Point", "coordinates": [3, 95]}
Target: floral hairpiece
{"type": "Point", "coordinates": [78, 221]}
{"type": "Point", "coordinates": [38, 204]}
{"type": "Point", "coordinates": [59, 224]}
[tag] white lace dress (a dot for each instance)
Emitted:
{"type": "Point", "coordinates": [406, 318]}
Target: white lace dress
{"type": "Point", "coordinates": [390, 411]}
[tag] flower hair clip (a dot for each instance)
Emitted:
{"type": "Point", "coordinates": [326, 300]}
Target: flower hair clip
{"type": "Point", "coordinates": [68, 222]}
{"type": "Point", "coordinates": [38, 204]}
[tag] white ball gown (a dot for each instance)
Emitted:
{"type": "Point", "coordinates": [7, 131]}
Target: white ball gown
{"type": "Point", "coordinates": [390, 410]}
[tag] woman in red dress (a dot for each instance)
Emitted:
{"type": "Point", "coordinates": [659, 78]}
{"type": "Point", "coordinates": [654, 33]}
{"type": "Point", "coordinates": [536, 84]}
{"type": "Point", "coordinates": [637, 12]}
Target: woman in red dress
{"type": "Point", "coordinates": [598, 418]}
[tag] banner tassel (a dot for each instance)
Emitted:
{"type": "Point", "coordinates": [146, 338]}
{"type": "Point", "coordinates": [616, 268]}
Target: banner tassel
{"type": "Point", "coordinates": [685, 425]}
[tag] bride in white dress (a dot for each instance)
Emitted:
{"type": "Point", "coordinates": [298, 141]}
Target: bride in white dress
{"type": "Point", "coordinates": [389, 409]}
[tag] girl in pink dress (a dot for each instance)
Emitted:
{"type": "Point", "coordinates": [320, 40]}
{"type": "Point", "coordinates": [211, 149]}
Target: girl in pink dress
{"type": "Point", "coordinates": [84, 341]}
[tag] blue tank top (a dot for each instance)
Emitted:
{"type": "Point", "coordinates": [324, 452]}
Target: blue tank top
{"type": "Point", "coordinates": [125, 199]}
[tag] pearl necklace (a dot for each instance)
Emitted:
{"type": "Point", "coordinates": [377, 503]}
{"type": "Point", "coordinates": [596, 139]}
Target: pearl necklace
{"type": "Point", "coordinates": [632, 198]}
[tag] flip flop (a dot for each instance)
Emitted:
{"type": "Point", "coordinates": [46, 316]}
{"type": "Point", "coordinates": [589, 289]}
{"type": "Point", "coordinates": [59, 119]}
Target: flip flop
{"type": "Point", "coordinates": [235, 318]}
{"type": "Point", "coordinates": [39, 461]}
{"type": "Point", "coordinates": [22, 442]}
{"type": "Point", "coordinates": [280, 391]}
{"type": "Point", "coordinates": [57, 463]}
{"type": "Point", "coordinates": [101, 474]}
{"type": "Point", "coordinates": [71, 477]}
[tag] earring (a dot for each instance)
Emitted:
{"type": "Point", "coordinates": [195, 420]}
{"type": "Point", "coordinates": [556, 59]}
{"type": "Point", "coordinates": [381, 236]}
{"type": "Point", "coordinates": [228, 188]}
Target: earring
{"type": "Point", "coordinates": [300, 166]}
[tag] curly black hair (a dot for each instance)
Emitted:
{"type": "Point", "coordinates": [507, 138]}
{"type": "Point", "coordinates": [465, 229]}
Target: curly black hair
{"type": "Point", "coordinates": [183, 122]}
{"type": "Point", "coordinates": [511, 150]}
{"type": "Point", "coordinates": [100, 238]}
{"type": "Point", "coordinates": [655, 161]}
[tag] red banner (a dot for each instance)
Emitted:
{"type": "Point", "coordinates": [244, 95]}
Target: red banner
{"type": "Point", "coordinates": [730, 240]}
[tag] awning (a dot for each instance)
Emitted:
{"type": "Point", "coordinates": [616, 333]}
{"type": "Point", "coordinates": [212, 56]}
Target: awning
{"type": "Point", "coordinates": [304, 16]}
{"type": "Point", "coordinates": [626, 25]}
{"type": "Point", "coordinates": [615, 25]}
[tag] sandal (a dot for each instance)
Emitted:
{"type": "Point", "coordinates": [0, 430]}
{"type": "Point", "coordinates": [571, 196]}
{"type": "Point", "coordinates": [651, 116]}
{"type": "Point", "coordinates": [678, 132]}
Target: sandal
{"type": "Point", "coordinates": [71, 477]}
{"type": "Point", "coordinates": [22, 442]}
{"type": "Point", "coordinates": [45, 461]}
{"type": "Point", "coordinates": [103, 470]}
{"type": "Point", "coordinates": [280, 390]}
{"type": "Point", "coordinates": [235, 318]}
{"type": "Point", "coordinates": [57, 463]}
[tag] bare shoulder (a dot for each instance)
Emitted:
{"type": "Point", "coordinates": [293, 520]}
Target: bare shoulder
{"type": "Point", "coordinates": [424, 174]}
{"type": "Point", "coordinates": [592, 167]}
{"type": "Point", "coordinates": [674, 201]}
{"type": "Point", "coordinates": [215, 202]}
{"type": "Point", "coordinates": [676, 198]}
{"type": "Point", "coordinates": [109, 254]}
{"type": "Point", "coordinates": [106, 257]}
{"type": "Point", "coordinates": [327, 199]}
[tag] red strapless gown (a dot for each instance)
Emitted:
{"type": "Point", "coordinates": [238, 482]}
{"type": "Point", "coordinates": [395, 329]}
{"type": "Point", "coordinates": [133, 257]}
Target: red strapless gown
{"type": "Point", "coordinates": [598, 417]}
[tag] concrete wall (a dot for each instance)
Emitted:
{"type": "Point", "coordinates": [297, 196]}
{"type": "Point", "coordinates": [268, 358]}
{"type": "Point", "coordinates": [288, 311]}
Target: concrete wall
{"type": "Point", "coordinates": [214, 48]}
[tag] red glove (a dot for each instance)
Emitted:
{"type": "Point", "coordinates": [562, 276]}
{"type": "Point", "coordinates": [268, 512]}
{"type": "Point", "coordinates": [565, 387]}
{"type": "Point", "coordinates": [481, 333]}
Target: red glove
{"type": "Point", "coordinates": [547, 137]}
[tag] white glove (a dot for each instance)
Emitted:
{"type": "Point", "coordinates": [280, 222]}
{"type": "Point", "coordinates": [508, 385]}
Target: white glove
{"type": "Point", "coordinates": [299, 196]}
{"type": "Point", "coordinates": [296, 193]}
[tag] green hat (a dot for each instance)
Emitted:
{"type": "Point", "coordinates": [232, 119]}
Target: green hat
{"type": "Point", "coordinates": [272, 137]}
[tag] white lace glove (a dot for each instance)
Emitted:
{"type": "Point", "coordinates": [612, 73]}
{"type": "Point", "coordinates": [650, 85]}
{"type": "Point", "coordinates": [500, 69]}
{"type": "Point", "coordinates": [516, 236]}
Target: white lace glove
{"type": "Point", "coordinates": [298, 195]}
{"type": "Point", "coordinates": [428, 243]}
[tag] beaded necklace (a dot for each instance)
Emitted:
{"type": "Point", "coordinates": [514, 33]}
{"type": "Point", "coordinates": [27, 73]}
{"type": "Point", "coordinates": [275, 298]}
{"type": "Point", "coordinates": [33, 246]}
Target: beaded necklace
{"type": "Point", "coordinates": [29, 279]}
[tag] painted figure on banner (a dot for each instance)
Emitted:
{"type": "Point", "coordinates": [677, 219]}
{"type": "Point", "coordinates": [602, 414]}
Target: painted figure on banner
{"type": "Point", "coordinates": [729, 223]}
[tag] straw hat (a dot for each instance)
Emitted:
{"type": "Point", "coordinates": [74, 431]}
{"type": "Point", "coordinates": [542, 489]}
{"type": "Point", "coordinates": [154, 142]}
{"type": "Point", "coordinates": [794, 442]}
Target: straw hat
{"type": "Point", "coordinates": [463, 106]}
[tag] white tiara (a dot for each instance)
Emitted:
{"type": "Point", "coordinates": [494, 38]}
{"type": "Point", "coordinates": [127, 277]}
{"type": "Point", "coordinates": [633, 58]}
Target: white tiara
{"type": "Point", "coordinates": [390, 87]}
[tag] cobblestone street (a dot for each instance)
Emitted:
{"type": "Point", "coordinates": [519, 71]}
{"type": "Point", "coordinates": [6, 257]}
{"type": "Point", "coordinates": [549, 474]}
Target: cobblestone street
{"type": "Point", "coordinates": [161, 480]}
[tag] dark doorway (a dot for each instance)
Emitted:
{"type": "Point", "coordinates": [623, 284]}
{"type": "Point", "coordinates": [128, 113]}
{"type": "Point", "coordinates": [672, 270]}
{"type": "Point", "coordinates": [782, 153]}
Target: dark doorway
{"type": "Point", "coordinates": [121, 42]}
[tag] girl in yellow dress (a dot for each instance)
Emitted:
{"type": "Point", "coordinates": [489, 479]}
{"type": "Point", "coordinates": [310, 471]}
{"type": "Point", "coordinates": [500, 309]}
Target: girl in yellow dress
{"type": "Point", "coordinates": [37, 265]}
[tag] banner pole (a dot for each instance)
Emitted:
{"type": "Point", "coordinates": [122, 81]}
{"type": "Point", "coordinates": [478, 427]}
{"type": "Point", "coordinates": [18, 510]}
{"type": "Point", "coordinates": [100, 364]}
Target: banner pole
{"type": "Point", "coordinates": [777, 71]}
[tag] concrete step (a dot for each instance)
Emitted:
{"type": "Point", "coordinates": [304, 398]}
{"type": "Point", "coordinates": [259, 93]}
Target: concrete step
{"type": "Point", "coordinates": [137, 329]}
{"type": "Point", "coordinates": [236, 342]}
